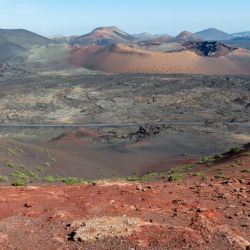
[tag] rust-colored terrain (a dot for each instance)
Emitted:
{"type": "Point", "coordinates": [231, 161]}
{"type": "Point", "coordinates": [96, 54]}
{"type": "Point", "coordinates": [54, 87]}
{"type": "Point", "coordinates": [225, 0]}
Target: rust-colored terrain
{"type": "Point", "coordinates": [207, 209]}
{"type": "Point", "coordinates": [124, 59]}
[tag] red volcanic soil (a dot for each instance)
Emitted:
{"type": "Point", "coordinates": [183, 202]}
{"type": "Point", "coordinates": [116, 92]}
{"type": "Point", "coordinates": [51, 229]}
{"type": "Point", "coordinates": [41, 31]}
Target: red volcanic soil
{"type": "Point", "coordinates": [194, 213]}
{"type": "Point", "coordinates": [79, 55]}
{"type": "Point", "coordinates": [77, 136]}
{"type": "Point", "coordinates": [124, 59]}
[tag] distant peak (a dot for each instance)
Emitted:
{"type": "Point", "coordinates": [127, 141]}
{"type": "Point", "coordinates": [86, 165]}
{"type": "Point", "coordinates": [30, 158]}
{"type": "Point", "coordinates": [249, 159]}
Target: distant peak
{"type": "Point", "coordinates": [185, 33]}
{"type": "Point", "coordinates": [146, 34]}
{"type": "Point", "coordinates": [187, 36]}
{"type": "Point", "coordinates": [213, 30]}
{"type": "Point", "coordinates": [213, 34]}
{"type": "Point", "coordinates": [106, 28]}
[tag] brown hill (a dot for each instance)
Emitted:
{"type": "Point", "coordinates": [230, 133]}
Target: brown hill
{"type": "Point", "coordinates": [103, 36]}
{"type": "Point", "coordinates": [122, 59]}
{"type": "Point", "coordinates": [186, 36]}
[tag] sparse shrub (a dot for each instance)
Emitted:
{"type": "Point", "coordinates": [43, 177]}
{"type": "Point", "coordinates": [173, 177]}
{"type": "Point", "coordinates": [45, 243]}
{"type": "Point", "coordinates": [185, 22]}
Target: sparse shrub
{"type": "Point", "coordinates": [20, 179]}
{"type": "Point", "coordinates": [72, 180]}
{"type": "Point", "coordinates": [93, 182]}
{"type": "Point", "coordinates": [39, 169]}
{"type": "Point", "coordinates": [201, 175]}
{"type": "Point", "coordinates": [197, 174]}
{"type": "Point", "coordinates": [46, 164]}
{"type": "Point", "coordinates": [181, 168]}
{"type": "Point", "coordinates": [246, 171]}
{"type": "Point", "coordinates": [204, 178]}
{"type": "Point", "coordinates": [175, 177]}
{"type": "Point", "coordinates": [239, 162]}
{"type": "Point", "coordinates": [220, 175]}
{"type": "Point", "coordinates": [207, 160]}
{"type": "Point", "coordinates": [49, 179]}
{"type": "Point", "coordinates": [9, 164]}
{"type": "Point", "coordinates": [132, 178]}
{"type": "Point", "coordinates": [51, 158]}
{"type": "Point", "coordinates": [151, 176]}
{"type": "Point", "coordinates": [187, 167]}
{"type": "Point", "coordinates": [12, 152]}
{"type": "Point", "coordinates": [3, 178]}
{"type": "Point", "coordinates": [30, 173]}
{"type": "Point", "coordinates": [237, 150]}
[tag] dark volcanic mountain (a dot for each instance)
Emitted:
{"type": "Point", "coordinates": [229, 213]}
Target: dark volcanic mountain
{"type": "Point", "coordinates": [104, 36]}
{"type": "Point", "coordinates": [9, 50]}
{"type": "Point", "coordinates": [13, 43]}
{"type": "Point", "coordinates": [213, 34]}
{"type": "Point", "coordinates": [23, 38]}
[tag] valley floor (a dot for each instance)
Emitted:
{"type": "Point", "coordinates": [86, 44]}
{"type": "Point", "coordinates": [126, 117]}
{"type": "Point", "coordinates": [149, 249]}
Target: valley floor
{"type": "Point", "coordinates": [164, 120]}
{"type": "Point", "coordinates": [153, 182]}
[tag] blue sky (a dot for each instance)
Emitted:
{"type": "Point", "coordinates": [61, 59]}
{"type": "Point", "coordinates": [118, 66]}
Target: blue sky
{"type": "Point", "coordinates": [70, 17]}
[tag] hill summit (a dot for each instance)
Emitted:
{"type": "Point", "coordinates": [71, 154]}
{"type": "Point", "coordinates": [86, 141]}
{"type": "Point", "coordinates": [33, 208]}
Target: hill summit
{"type": "Point", "coordinates": [104, 36]}
{"type": "Point", "coordinates": [213, 34]}
{"type": "Point", "coordinates": [186, 36]}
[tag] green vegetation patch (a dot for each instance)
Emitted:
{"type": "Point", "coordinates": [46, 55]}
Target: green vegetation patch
{"type": "Point", "coordinates": [31, 174]}
{"type": "Point", "coordinates": [237, 150]}
{"type": "Point", "coordinates": [73, 181]}
{"type": "Point", "coordinates": [181, 168]}
{"type": "Point", "coordinates": [50, 179]}
{"type": "Point", "coordinates": [9, 164]}
{"type": "Point", "coordinates": [209, 160]}
{"type": "Point", "coordinates": [133, 178]}
{"type": "Point", "coordinates": [65, 180]}
{"type": "Point", "coordinates": [145, 178]}
{"type": "Point", "coordinates": [220, 175]}
{"type": "Point", "coordinates": [175, 177]}
{"type": "Point", "coordinates": [23, 177]}
{"type": "Point", "coordinates": [3, 178]}
{"type": "Point", "coordinates": [20, 179]}
{"type": "Point", "coordinates": [201, 175]}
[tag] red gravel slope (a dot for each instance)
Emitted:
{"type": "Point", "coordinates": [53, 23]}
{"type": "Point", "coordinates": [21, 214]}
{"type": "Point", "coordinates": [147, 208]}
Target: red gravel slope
{"type": "Point", "coordinates": [194, 213]}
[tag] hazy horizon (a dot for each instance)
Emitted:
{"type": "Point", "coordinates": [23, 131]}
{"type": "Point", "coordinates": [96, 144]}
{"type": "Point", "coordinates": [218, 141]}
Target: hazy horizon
{"type": "Point", "coordinates": [75, 17]}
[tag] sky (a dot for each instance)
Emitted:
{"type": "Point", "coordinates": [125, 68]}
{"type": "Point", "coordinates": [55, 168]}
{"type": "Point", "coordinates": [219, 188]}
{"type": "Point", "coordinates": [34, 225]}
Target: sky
{"type": "Point", "coordinates": [76, 17]}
